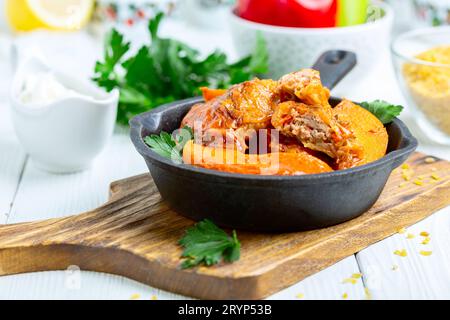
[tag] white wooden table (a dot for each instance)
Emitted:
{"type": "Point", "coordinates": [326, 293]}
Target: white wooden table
{"type": "Point", "coordinates": [27, 194]}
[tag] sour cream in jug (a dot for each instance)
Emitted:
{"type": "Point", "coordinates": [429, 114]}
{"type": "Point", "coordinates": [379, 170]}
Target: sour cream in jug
{"type": "Point", "coordinates": [43, 88]}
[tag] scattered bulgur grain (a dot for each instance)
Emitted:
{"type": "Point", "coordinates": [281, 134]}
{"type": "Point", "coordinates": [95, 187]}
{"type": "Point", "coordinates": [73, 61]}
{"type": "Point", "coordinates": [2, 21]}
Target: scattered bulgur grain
{"type": "Point", "coordinates": [430, 160]}
{"type": "Point", "coordinates": [401, 253]}
{"type": "Point", "coordinates": [401, 230]}
{"type": "Point", "coordinates": [356, 276]}
{"type": "Point", "coordinates": [410, 236]}
{"type": "Point", "coordinates": [403, 184]}
{"type": "Point", "coordinates": [154, 297]}
{"type": "Point", "coordinates": [406, 177]}
{"type": "Point", "coordinates": [418, 183]}
{"type": "Point", "coordinates": [135, 296]}
{"type": "Point", "coordinates": [426, 240]}
{"type": "Point", "coordinates": [405, 166]}
{"type": "Point", "coordinates": [345, 296]}
{"type": "Point", "coordinates": [300, 296]}
{"type": "Point", "coordinates": [434, 169]}
{"type": "Point", "coordinates": [350, 280]}
{"type": "Point", "coordinates": [424, 234]}
{"type": "Point", "coordinates": [421, 177]}
{"type": "Point", "coordinates": [368, 294]}
{"type": "Point", "coordinates": [426, 253]}
{"type": "Point", "coordinates": [434, 176]}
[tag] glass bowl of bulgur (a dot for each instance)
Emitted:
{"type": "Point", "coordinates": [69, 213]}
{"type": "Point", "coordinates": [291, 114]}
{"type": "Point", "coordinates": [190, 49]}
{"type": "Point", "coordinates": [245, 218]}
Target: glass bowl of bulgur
{"type": "Point", "coordinates": [422, 64]}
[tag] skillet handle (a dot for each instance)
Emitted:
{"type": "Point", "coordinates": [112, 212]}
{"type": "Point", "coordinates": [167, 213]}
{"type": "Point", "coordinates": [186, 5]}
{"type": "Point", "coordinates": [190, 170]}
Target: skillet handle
{"type": "Point", "coordinates": [334, 65]}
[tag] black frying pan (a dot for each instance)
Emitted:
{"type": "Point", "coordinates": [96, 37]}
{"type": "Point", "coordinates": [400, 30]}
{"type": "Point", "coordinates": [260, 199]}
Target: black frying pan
{"type": "Point", "coordinates": [270, 203]}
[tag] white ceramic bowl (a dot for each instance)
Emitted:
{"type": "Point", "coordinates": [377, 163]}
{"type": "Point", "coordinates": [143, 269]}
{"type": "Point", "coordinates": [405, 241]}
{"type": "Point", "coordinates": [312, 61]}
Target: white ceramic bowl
{"type": "Point", "coordinates": [295, 48]}
{"type": "Point", "coordinates": [66, 135]}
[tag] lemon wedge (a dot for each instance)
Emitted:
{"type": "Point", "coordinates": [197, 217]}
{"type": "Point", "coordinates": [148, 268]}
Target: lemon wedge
{"type": "Point", "coordinates": [67, 15]}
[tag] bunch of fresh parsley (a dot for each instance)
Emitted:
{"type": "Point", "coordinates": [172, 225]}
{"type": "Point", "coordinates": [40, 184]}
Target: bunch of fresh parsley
{"type": "Point", "coordinates": [168, 70]}
{"type": "Point", "coordinates": [207, 244]}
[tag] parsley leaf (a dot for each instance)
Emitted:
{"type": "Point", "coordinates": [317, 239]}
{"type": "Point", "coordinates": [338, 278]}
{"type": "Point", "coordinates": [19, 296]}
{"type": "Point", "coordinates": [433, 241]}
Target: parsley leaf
{"type": "Point", "coordinates": [169, 147]}
{"type": "Point", "coordinates": [384, 111]}
{"type": "Point", "coordinates": [167, 70]}
{"type": "Point", "coordinates": [207, 244]}
{"type": "Point", "coordinates": [153, 25]}
{"type": "Point", "coordinates": [163, 145]}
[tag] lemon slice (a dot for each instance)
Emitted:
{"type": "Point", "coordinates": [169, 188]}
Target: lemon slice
{"type": "Point", "coordinates": [26, 15]}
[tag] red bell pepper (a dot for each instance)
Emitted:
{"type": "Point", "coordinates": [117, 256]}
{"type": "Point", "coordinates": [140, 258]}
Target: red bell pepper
{"type": "Point", "coordinates": [290, 13]}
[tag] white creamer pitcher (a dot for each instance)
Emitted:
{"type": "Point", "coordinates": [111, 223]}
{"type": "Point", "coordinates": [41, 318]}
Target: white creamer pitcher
{"type": "Point", "coordinates": [65, 135]}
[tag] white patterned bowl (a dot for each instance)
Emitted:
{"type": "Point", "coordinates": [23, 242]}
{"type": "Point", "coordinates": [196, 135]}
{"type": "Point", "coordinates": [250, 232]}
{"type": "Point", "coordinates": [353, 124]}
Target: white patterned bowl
{"type": "Point", "coordinates": [295, 48]}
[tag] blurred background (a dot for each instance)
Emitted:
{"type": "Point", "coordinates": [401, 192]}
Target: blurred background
{"type": "Point", "coordinates": [206, 24]}
{"type": "Point", "coordinates": [394, 41]}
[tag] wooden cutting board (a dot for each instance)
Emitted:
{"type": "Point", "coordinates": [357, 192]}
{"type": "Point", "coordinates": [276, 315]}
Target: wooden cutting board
{"type": "Point", "coordinates": [135, 235]}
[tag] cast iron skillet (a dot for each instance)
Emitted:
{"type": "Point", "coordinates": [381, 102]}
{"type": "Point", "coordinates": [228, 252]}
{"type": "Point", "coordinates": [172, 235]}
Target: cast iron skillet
{"type": "Point", "coordinates": [270, 203]}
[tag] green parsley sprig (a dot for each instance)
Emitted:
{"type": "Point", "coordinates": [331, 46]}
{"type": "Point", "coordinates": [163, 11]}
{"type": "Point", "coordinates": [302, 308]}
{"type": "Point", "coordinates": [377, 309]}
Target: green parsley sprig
{"type": "Point", "coordinates": [383, 110]}
{"type": "Point", "coordinates": [169, 147]}
{"type": "Point", "coordinates": [207, 244]}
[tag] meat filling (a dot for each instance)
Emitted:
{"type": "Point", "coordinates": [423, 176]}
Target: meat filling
{"type": "Point", "coordinates": [306, 124]}
{"type": "Point", "coordinates": [311, 132]}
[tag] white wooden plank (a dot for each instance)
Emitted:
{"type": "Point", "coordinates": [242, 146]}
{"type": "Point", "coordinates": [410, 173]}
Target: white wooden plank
{"type": "Point", "coordinates": [327, 284]}
{"type": "Point", "coordinates": [389, 276]}
{"type": "Point", "coordinates": [90, 285]}
{"type": "Point", "coordinates": [5, 69]}
{"type": "Point", "coordinates": [12, 160]}
{"type": "Point", "coordinates": [417, 276]}
{"type": "Point", "coordinates": [64, 285]}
